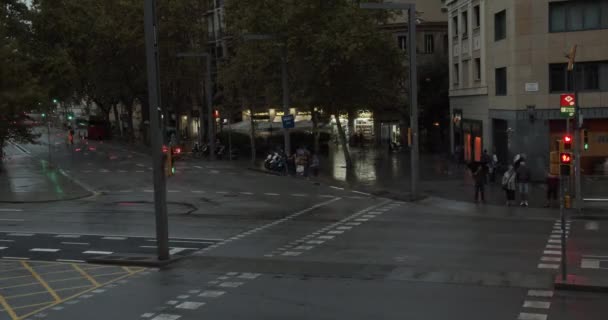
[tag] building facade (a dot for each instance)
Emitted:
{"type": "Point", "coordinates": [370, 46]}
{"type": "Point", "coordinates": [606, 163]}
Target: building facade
{"type": "Point", "coordinates": [508, 69]}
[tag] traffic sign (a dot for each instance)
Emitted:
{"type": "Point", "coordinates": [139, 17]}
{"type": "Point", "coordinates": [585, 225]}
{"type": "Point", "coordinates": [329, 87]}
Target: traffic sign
{"type": "Point", "coordinates": [288, 121]}
{"type": "Point", "coordinates": [567, 104]}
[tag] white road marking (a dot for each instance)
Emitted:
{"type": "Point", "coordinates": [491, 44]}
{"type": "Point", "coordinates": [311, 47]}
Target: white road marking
{"type": "Point", "coordinates": [540, 293]}
{"type": "Point", "coordinates": [10, 210]}
{"type": "Point", "coordinates": [147, 315]}
{"type": "Point", "coordinates": [20, 234]}
{"type": "Point", "coordinates": [72, 236]}
{"type": "Point", "coordinates": [590, 263]}
{"type": "Point", "coordinates": [187, 241]}
{"type": "Point", "coordinates": [548, 266]}
{"type": "Point", "coordinates": [336, 232]}
{"type": "Point", "coordinates": [553, 246]}
{"type": "Point", "coordinates": [537, 304]}
{"type": "Point", "coordinates": [303, 247]}
{"type": "Point", "coordinates": [98, 252]}
{"type": "Point", "coordinates": [552, 252]}
{"type": "Point", "coordinates": [211, 294]}
{"type": "Point", "coordinates": [221, 192]}
{"type": "Point", "coordinates": [327, 237]}
{"type": "Point", "coordinates": [15, 258]}
{"type": "Point", "coordinates": [166, 317]}
{"type": "Point", "coordinates": [291, 253]}
{"type": "Point", "coordinates": [271, 194]}
{"type": "Point", "coordinates": [592, 225]}
{"type": "Point", "coordinates": [531, 316]}
{"type": "Point", "coordinates": [2, 248]}
{"type": "Point", "coordinates": [70, 261]}
{"type": "Point", "coordinates": [6, 240]}
{"type": "Point", "coordinates": [189, 305]}
{"type": "Point", "coordinates": [177, 250]}
{"type": "Point", "coordinates": [554, 241]}
{"type": "Point", "coordinates": [249, 275]}
{"type": "Point", "coordinates": [551, 259]}
{"type": "Point", "coordinates": [13, 220]}
{"type": "Point", "coordinates": [344, 228]}
{"type": "Point", "coordinates": [198, 191]}
{"type": "Point", "coordinates": [363, 193]}
{"type": "Point", "coordinates": [337, 188]}
{"type": "Point", "coordinates": [315, 241]}
{"type": "Point", "coordinates": [114, 238]}
{"type": "Point", "coordinates": [231, 284]}
{"type": "Point", "coordinates": [247, 193]}
{"type": "Point", "coordinates": [76, 243]}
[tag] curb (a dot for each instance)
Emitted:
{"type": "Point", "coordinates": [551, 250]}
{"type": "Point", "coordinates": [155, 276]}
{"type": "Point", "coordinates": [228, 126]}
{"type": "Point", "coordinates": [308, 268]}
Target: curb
{"type": "Point", "coordinates": [572, 284]}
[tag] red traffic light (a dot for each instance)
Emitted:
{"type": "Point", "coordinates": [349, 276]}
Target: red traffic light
{"type": "Point", "coordinates": [216, 114]}
{"type": "Point", "coordinates": [567, 142]}
{"type": "Point", "coordinates": [565, 158]}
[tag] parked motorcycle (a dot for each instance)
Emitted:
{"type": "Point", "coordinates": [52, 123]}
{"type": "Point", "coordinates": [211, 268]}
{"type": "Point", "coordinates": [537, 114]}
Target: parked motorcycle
{"type": "Point", "coordinates": [275, 161]}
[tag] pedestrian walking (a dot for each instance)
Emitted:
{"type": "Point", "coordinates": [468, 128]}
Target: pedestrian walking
{"type": "Point", "coordinates": [509, 185]}
{"type": "Point", "coordinates": [480, 180]}
{"type": "Point", "coordinates": [523, 181]}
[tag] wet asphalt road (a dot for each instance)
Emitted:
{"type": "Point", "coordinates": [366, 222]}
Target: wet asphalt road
{"type": "Point", "coordinates": [276, 248]}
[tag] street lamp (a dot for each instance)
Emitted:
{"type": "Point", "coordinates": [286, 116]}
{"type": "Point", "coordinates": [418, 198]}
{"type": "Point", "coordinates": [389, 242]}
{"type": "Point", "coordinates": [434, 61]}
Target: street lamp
{"type": "Point", "coordinates": [284, 80]}
{"type": "Point", "coordinates": [411, 44]}
{"type": "Point", "coordinates": [208, 95]}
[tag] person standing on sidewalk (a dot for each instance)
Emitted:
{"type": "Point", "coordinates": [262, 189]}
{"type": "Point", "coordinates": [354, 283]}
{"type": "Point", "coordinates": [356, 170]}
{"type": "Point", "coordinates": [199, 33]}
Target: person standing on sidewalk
{"type": "Point", "coordinates": [509, 185]}
{"type": "Point", "coordinates": [480, 179]}
{"type": "Point", "coordinates": [523, 180]}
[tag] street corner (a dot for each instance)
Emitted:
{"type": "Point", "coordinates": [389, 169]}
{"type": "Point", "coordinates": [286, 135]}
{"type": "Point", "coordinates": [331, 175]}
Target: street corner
{"type": "Point", "coordinates": [28, 287]}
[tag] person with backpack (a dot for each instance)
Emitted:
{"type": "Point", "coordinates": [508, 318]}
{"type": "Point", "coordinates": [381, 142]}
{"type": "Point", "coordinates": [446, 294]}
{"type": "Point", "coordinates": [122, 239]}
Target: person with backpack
{"type": "Point", "coordinates": [509, 185]}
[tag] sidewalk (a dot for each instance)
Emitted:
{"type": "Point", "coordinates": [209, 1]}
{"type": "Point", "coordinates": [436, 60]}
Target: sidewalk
{"type": "Point", "coordinates": [24, 179]}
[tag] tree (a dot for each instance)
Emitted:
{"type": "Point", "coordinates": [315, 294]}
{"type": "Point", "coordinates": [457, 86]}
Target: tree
{"type": "Point", "coordinates": [19, 88]}
{"type": "Point", "coordinates": [339, 59]}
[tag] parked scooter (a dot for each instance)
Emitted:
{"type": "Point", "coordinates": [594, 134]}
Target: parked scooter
{"type": "Point", "coordinates": [275, 161]}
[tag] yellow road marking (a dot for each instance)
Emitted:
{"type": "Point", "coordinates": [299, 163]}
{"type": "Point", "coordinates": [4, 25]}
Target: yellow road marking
{"type": "Point", "coordinates": [42, 282]}
{"type": "Point", "coordinates": [8, 309]}
{"type": "Point", "coordinates": [128, 270]}
{"type": "Point", "coordinates": [76, 295]}
{"type": "Point", "coordinates": [41, 292]}
{"type": "Point", "coordinates": [86, 275]}
{"type": "Point", "coordinates": [41, 274]}
{"type": "Point", "coordinates": [31, 305]}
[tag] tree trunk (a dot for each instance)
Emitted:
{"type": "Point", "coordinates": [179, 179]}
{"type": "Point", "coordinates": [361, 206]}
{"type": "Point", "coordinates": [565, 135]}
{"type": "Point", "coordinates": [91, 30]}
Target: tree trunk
{"type": "Point", "coordinates": [352, 114]}
{"type": "Point", "coordinates": [130, 133]}
{"type": "Point", "coordinates": [315, 131]}
{"type": "Point", "coordinates": [342, 136]}
{"type": "Point", "coordinates": [252, 136]}
{"type": "Point", "coordinates": [117, 119]}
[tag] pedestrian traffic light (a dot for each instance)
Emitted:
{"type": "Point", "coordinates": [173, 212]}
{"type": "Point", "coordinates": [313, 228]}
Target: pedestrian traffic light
{"type": "Point", "coordinates": [586, 139]}
{"type": "Point", "coordinates": [565, 158]}
{"type": "Point", "coordinates": [567, 142]}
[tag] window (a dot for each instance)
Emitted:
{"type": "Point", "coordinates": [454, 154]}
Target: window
{"type": "Point", "coordinates": [578, 15]}
{"type": "Point", "coordinates": [429, 44]}
{"type": "Point", "coordinates": [589, 77]}
{"type": "Point", "coordinates": [455, 26]}
{"type": "Point", "coordinates": [477, 69]}
{"type": "Point", "coordinates": [446, 44]}
{"type": "Point", "coordinates": [465, 24]}
{"type": "Point", "coordinates": [465, 73]}
{"type": "Point", "coordinates": [456, 73]}
{"type": "Point", "coordinates": [402, 42]}
{"type": "Point", "coordinates": [501, 81]}
{"type": "Point", "coordinates": [500, 25]}
{"type": "Point", "coordinates": [476, 16]}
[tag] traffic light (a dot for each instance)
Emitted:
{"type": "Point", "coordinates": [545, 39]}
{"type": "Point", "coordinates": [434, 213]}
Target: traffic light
{"type": "Point", "coordinates": [586, 139]}
{"type": "Point", "coordinates": [567, 142]}
{"type": "Point", "coordinates": [565, 160]}
{"type": "Point", "coordinates": [43, 115]}
{"type": "Point", "coordinates": [55, 101]}
{"type": "Point", "coordinates": [216, 114]}
{"type": "Point", "coordinates": [70, 116]}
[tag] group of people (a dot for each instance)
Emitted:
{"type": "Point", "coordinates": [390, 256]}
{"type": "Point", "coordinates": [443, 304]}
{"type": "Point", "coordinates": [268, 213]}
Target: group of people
{"type": "Point", "coordinates": [303, 163]}
{"type": "Point", "coordinates": [516, 178]}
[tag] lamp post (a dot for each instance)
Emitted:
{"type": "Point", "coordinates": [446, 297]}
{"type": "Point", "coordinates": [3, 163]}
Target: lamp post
{"type": "Point", "coordinates": [413, 74]}
{"type": "Point", "coordinates": [208, 95]}
{"type": "Point", "coordinates": [284, 80]}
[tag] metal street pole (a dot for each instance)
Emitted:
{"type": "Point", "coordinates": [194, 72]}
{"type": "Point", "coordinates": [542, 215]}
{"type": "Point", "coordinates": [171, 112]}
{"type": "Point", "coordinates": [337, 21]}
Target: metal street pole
{"type": "Point", "coordinates": [210, 120]}
{"type": "Point", "coordinates": [415, 157]}
{"type": "Point", "coordinates": [285, 84]}
{"type": "Point", "coordinates": [160, 188]}
{"type": "Point", "coordinates": [578, 198]}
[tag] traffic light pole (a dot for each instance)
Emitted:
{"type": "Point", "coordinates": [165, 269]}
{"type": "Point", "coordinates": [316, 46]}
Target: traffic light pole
{"type": "Point", "coordinates": [578, 203]}
{"type": "Point", "coordinates": [160, 188]}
